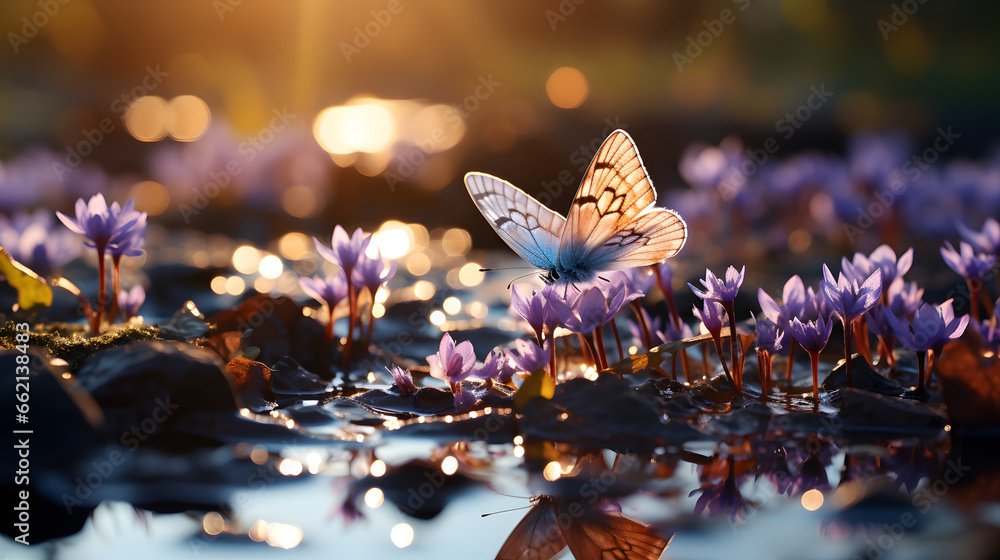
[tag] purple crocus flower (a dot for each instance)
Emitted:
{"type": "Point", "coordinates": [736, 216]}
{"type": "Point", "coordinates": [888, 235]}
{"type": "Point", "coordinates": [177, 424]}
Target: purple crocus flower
{"type": "Point", "coordinates": [985, 241]}
{"type": "Point", "coordinates": [590, 310]}
{"type": "Point", "coordinates": [129, 302]}
{"type": "Point", "coordinates": [931, 329]}
{"type": "Point", "coordinates": [672, 334]}
{"type": "Point", "coordinates": [811, 335]}
{"type": "Point", "coordinates": [345, 251]}
{"type": "Point", "coordinates": [99, 224]}
{"type": "Point", "coordinates": [967, 261]}
{"type": "Point", "coordinates": [371, 273]}
{"type": "Point", "coordinates": [882, 258]}
{"type": "Point", "coordinates": [848, 301]}
{"type": "Point", "coordinates": [530, 357]}
{"type": "Point", "coordinates": [904, 297]}
{"type": "Point", "coordinates": [793, 302]}
{"type": "Point", "coordinates": [131, 240]}
{"type": "Point", "coordinates": [990, 329]}
{"type": "Point", "coordinates": [769, 336]}
{"type": "Point", "coordinates": [403, 380]}
{"type": "Point", "coordinates": [496, 366]}
{"type": "Point", "coordinates": [329, 291]}
{"type": "Point", "coordinates": [718, 290]}
{"type": "Point", "coordinates": [712, 316]}
{"type": "Point", "coordinates": [31, 240]}
{"type": "Point", "coordinates": [452, 362]}
{"type": "Point", "coordinates": [635, 281]}
{"type": "Point", "coordinates": [535, 310]}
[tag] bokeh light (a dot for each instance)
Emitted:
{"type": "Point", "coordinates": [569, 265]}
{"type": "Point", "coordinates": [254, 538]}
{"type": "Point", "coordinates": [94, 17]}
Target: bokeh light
{"type": "Point", "coordinates": [187, 118]}
{"type": "Point", "coordinates": [567, 88]}
{"type": "Point", "coordinates": [365, 127]}
{"type": "Point", "coordinates": [146, 118]}
{"type": "Point", "coordinates": [401, 535]}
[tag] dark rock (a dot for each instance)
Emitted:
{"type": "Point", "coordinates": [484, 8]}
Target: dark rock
{"type": "Point", "coordinates": [863, 412]}
{"type": "Point", "coordinates": [862, 376]}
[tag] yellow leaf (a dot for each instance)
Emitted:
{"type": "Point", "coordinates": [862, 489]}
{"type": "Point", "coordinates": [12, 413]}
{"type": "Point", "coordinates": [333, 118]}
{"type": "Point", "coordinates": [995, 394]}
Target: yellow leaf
{"type": "Point", "coordinates": [32, 291]}
{"type": "Point", "coordinates": [537, 385]}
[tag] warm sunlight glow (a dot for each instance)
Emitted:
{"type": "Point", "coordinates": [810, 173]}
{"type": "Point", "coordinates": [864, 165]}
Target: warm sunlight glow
{"type": "Point", "coordinates": [270, 267]}
{"type": "Point", "coordinates": [470, 275]}
{"type": "Point", "coordinates": [246, 259]}
{"type": "Point", "coordinates": [449, 465]}
{"type": "Point", "coordinates": [187, 118]}
{"type": "Point", "coordinates": [378, 468]}
{"type": "Point", "coordinates": [146, 118]}
{"type": "Point", "coordinates": [567, 88]}
{"type": "Point", "coordinates": [401, 535]}
{"type": "Point", "coordinates": [812, 500]}
{"type": "Point", "coordinates": [290, 467]}
{"type": "Point", "coordinates": [452, 305]}
{"type": "Point", "coordinates": [283, 535]}
{"type": "Point", "coordinates": [374, 497]}
{"type": "Point", "coordinates": [366, 127]}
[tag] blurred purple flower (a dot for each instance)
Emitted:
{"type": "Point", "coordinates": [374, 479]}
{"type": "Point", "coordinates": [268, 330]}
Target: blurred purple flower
{"type": "Point", "coordinates": [722, 498]}
{"type": "Point", "coordinates": [129, 302]}
{"type": "Point", "coordinates": [718, 290]}
{"type": "Point", "coordinates": [535, 310]}
{"type": "Point", "coordinates": [530, 357]}
{"type": "Point", "coordinates": [591, 309]}
{"type": "Point", "coordinates": [882, 258]}
{"type": "Point", "coordinates": [496, 366]}
{"type": "Point", "coordinates": [904, 297]}
{"type": "Point", "coordinates": [403, 379]}
{"type": "Point", "coordinates": [848, 301]}
{"type": "Point", "coordinates": [811, 335]}
{"type": "Point", "coordinates": [329, 291]}
{"type": "Point", "coordinates": [452, 362]}
{"type": "Point", "coordinates": [99, 224]}
{"type": "Point", "coordinates": [31, 240]}
{"type": "Point", "coordinates": [635, 281]}
{"type": "Point", "coordinates": [990, 329]}
{"type": "Point", "coordinates": [769, 336]}
{"type": "Point", "coordinates": [653, 323]}
{"type": "Point", "coordinates": [967, 262]}
{"type": "Point", "coordinates": [345, 251]}
{"type": "Point", "coordinates": [793, 302]}
{"type": "Point", "coordinates": [673, 334]}
{"type": "Point", "coordinates": [371, 273]}
{"type": "Point", "coordinates": [985, 241]}
{"type": "Point", "coordinates": [931, 329]}
{"type": "Point", "coordinates": [710, 167]}
{"type": "Point", "coordinates": [810, 475]}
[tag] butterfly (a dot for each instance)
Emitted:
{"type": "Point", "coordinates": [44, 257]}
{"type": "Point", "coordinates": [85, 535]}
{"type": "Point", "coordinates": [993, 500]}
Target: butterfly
{"type": "Point", "coordinates": [590, 533]}
{"type": "Point", "coordinates": [611, 225]}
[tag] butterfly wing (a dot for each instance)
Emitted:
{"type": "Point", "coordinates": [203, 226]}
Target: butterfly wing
{"type": "Point", "coordinates": [536, 537]}
{"type": "Point", "coordinates": [600, 535]}
{"type": "Point", "coordinates": [611, 223]}
{"type": "Point", "coordinates": [531, 229]}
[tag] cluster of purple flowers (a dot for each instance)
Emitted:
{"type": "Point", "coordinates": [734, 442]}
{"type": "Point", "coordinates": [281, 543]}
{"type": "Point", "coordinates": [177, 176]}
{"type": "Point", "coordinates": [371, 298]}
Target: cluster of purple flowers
{"type": "Point", "coordinates": [118, 230]}
{"type": "Point", "coordinates": [358, 273]}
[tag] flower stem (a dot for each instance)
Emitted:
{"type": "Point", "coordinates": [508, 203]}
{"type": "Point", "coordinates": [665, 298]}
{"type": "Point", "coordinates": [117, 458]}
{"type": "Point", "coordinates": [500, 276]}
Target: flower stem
{"type": "Point", "coordinates": [764, 368]}
{"type": "Point", "coordinates": [848, 324]}
{"type": "Point", "coordinates": [352, 306]}
{"type": "Point", "coordinates": [733, 354]}
{"type": "Point", "coordinates": [791, 360]}
{"type": "Point", "coordinates": [973, 284]}
{"type": "Point", "coordinates": [814, 357]}
{"type": "Point", "coordinates": [116, 284]}
{"type": "Point", "coordinates": [618, 340]}
{"type": "Point", "coordinates": [552, 356]}
{"type": "Point", "coordinates": [718, 348]}
{"type": "Point", "coordinates": [602, 355]}
{"type": "Point", "coordinates": [102, 291]}
{"type": "Point", "coordinates": [647, 339]}
{"type": "Point", "coordinates": [329, 326]}
{"type": "Point", "coordinates": [921, 359]}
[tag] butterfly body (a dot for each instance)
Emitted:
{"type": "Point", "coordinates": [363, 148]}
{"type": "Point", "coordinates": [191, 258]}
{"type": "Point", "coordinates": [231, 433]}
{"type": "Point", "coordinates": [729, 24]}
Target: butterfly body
{"type": "Point", "coordinates": [612, 223]}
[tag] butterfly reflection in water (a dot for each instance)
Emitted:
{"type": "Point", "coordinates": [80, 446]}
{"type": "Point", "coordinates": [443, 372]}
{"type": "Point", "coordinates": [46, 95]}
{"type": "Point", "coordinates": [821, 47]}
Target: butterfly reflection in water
{"type": "Point", "coordinates": [612, 223]}
{"type": "Point", "coordinates": [591, 533]}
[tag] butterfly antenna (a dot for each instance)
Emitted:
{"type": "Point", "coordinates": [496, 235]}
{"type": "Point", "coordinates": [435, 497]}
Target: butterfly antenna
{"type": "Point", "coordinates": [506, 510]}
{"type": "Point", "coordinates": [511, 283]}
{"type": "Point", "coordinates": [506, 268]}
{"type": "Point", "coordinates": [605, 279]}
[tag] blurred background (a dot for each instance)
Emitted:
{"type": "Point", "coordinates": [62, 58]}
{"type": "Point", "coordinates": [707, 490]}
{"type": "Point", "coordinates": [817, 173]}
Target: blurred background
{"type": "Point", "coordinates": [304, 114]}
